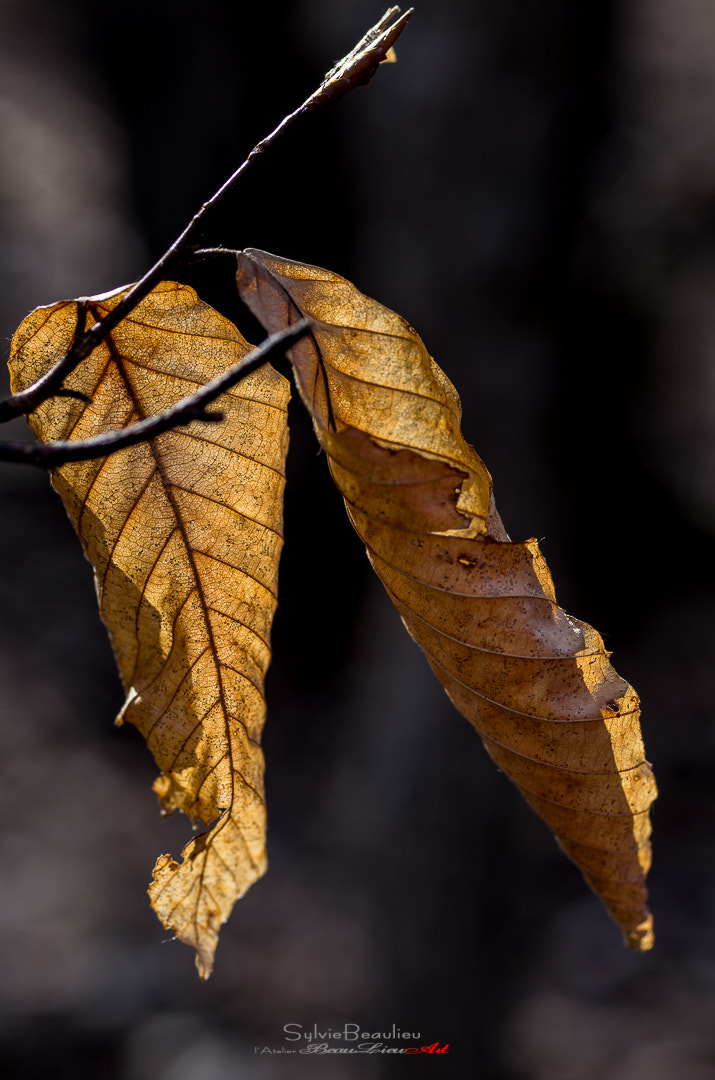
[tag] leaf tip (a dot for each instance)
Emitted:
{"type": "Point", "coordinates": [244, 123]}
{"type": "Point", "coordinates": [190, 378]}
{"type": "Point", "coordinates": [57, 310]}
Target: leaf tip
{"type": "Point", "coordinates": [641, 938]}
{"type": "Point", "coordinates": [204, 964]}
{"type": "Point", "coordinates": [204, 943]}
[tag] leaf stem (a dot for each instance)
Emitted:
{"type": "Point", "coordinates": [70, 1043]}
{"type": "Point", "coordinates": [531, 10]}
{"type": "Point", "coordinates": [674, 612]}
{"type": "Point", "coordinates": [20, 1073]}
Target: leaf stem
{"type": "Point", "coordinates": [355, 69]}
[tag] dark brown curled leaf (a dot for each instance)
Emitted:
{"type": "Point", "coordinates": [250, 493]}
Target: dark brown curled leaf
{"type": "Point", "coordinates": [536, 683]}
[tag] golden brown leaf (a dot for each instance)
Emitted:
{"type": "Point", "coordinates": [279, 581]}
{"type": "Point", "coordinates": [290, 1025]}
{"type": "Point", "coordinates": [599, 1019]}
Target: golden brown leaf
{"type": "Point", "coordinates": [536, 684]}
{"type": "Point", "coordinates": [184, 534]}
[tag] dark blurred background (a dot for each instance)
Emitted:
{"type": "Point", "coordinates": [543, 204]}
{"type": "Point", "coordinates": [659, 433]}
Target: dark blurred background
{"type": "Point", "coordinates": [532, 185]}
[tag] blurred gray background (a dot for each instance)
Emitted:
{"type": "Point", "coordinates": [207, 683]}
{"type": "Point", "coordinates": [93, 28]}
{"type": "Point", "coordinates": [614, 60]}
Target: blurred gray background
{"type": "Point", "coordinates": [532, 186]}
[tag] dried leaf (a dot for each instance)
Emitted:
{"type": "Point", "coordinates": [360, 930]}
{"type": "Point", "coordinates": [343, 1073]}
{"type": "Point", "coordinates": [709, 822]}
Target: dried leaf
{"type": "Point", "coordinates": [361, 63]}
{"type": "Point", "coordinates": [536, 684]}
{"type": "Point", "coordinates": [184, 534]}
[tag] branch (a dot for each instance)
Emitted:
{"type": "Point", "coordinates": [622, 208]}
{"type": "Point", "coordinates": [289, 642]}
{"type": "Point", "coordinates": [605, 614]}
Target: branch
{"type": "Point", "coordinates": [355, 69]}
{"type": "Point", "coordinates": [52, 454]}
{"type": "Point", "coordinates": [27, 400]}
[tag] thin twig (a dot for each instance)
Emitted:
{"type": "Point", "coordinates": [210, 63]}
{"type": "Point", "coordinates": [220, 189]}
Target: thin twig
{"type": "Point", "coordinates": [50, 455]}
{"type": "Point", "coordinates": [198, 254]}
{"type": "Point", "coordinates": [26, 400]}
{"type": "Point", "coordinates": [353, 70]}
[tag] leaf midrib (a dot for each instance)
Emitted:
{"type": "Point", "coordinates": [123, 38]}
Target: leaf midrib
{"type": "Point", "coordinates": [137, 405]}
